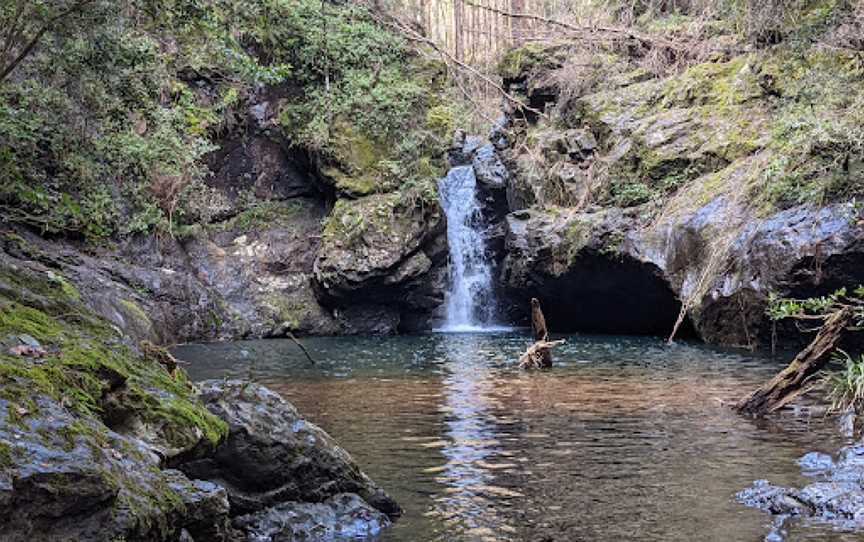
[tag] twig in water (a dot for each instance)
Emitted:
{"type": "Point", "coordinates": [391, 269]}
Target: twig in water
{"type": "Point", "coordinates": [303, 348]}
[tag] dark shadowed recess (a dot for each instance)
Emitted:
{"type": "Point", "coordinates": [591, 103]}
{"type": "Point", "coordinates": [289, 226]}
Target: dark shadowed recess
{"type": "Point", "coordinates": [610, 295]}
{"type": "Point", "coordinates": [814, 277]}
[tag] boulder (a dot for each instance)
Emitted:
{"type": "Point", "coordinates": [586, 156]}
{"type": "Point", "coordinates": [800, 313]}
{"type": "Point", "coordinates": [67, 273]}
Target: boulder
{"type": "Point", "coordinates": [836, 497]}
{"type": "Point", "coordinates": [489, 169]}
{"type": "Point", "coordinates": [344, 515]}
{"type": "Point", "coordinates": [206, 516]}
{"type": "Point", "coordinates": [272, 455]}
{"type": "Point", "coordinates": [385, 250]}
{"type": "Point", "coordinates": [63, 478]}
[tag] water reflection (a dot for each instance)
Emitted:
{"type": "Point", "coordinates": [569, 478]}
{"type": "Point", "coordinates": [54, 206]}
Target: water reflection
{"type": "Point", "coordinates": [471, 500]}
{"type": "Point", "coordinates": [625, 439]}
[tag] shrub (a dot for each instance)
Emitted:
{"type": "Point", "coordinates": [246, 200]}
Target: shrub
{"type": "Point", "coordinates": [846, 386]}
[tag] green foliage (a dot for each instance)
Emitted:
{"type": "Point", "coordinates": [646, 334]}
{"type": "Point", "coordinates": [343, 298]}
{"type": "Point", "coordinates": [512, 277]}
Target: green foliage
{"type": "Point", "coordinates": [522, 61]}
{"type": "Point", "coordinates": [846, 386]}
{"type": "Point", "coordinates": [103, 130]}
{"type": "Point", "coordinates": [262, 214]}
{"type": "Point", "coordinates": [781, 308]}
{"type": "Point", "coordinates": [628, 194]}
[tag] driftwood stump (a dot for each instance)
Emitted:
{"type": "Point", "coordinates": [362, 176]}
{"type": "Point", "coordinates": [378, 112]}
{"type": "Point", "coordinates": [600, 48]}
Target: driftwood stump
{"type": "Point", "coordinates": [538, 355]}
{"type": "Point", "coordinates": [792, 381]}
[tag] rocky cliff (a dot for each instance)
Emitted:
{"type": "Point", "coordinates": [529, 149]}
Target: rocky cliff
{"type": "Point", "coordinates": [104, 438]}
{"type": "Point", "coordinates": [636, 199]}
{"type": "Point", "coordinates": [287, 248]}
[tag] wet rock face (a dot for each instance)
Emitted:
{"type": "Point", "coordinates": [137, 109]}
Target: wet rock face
{"type": "Point", "coordinates": [385, 254]}
{"type": "Point", "coordinates": [342, 516]}
{"type": "Point", "coordinates": [836, 497]}
{"type": "Point", "coordinates": [586, 266]}
{"type": "Point", "coordinates": [262, 167]}
{"type": "Point", "coordinates": [279, 477]}
{"type": "Point", "coordinates": [801, 252]}
{"type": "Point", "coordinates": [59, 482]}
{"type": "Point", "coordinates": [273, 455]}
{"type": "Point", "coordinates": [579, 266]}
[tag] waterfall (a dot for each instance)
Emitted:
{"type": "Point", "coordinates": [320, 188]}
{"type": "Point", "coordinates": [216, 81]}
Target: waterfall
{"type": "Point", "coordinates": [469, 302]}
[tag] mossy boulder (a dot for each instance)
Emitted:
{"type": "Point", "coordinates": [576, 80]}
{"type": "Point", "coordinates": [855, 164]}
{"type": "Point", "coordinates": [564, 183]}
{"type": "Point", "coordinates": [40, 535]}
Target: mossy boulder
{"type": "Point", "coordinates": [354, 162]}
{"type": "Point", "coordinates": [70, 478]}
{"type": "Point", "coordinates": [85, 419]}
{"type": "Point", "coordinates": [90, 419]}
{"type": "Point", "coordinates": [273, 455]}
{"type": "Point", "coordinates": [387, 250]}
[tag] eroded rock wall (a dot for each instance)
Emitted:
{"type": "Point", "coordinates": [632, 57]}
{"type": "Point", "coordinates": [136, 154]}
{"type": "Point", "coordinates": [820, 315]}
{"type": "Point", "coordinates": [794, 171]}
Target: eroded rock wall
{"type": "Point", "coordinates": [636, 198]}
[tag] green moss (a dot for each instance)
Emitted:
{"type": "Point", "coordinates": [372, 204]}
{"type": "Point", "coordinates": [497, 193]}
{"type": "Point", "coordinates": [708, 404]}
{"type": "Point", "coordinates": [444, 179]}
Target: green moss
{"type": "Point", "coordinates": [80, 365]}
{"type": "Point", "coordinates": [6, 456]}
{"type": "Point", "coordinates": [519, 62]}
{"type": "Point", "coordinates": [182, 414]}
{"type": "Point", "coordinates": [290, 312]}
{"type": "Point", "coordinates": [718, 84]}
{"type": "Point", "coordinates": [261, 215]}
{"type": "Point", "coordinates": [440, 119]}
{"type": "Point", "coordinates": [92, 434]}
{"type": "Point", "coordinates": [132, 310]}
{"type": "Point", "coordinates": [355, 167]}
{"type": "Point", "coordinates": [576, 236]}
{"type": "Point", "coordinates": [16, 319]}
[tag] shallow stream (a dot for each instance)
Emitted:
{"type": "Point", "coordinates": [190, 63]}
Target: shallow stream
{"type": "Point", "coordinates": [625, 439]}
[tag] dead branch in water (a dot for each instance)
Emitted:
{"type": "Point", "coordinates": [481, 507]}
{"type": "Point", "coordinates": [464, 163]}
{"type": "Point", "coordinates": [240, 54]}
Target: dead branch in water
{"type": "Point", "coordinates": [303, 348]}
{"type": "Point", "coordinates": [538, 355]}
{"type": "Point", "coordinates": [795, 379]}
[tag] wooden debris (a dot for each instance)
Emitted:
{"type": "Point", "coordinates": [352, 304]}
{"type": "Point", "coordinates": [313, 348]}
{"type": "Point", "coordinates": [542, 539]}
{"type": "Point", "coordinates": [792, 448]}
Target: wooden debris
{"type": "Point", "coordinates": [538, 355]}
{"type": "Point", "coordinates": [28, 351]}
{"type": "Point", "coordinates": [161, 356]}
{"type": "Point", "coordinates": [795, 379]}
{"type": "Point", "coordinates": [301, 347]}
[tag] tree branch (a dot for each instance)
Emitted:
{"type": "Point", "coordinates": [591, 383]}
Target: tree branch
{"type": "Point", "coordinates": [34, 41]}
{"type": "Point", "coordinates": [413, 35]}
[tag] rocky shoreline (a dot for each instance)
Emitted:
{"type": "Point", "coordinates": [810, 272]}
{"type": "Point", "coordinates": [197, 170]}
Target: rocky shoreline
{"type": "Point", "coordinates": [275, 476]}
{"type": "Point", "coordinates": [835, 497]}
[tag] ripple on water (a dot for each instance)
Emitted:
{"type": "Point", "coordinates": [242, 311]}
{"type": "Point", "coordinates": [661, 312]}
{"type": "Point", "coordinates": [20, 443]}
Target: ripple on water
{"type": "Point", "coordinates": [625, 439]}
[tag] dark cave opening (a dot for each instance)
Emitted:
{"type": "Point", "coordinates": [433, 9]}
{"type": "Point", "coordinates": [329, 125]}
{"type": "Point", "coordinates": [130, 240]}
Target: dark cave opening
{"type": "Point", "coordinates": [607, 294]}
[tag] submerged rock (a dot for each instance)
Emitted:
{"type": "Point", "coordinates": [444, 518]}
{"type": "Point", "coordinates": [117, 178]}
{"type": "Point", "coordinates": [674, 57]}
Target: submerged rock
{"type": "Point", "coordinates": [341, 516]}
{"type": "Point", "coordinates": [273, 455]}
{"type": "Point", "coordinates": [837, 498]}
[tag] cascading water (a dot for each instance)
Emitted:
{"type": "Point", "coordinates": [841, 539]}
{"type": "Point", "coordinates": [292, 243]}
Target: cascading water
{"type": "Point", "coordinates": [470, 303]}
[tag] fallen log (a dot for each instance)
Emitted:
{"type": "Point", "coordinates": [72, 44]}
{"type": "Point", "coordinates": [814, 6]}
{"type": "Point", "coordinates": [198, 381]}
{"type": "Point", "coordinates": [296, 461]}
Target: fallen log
{"type": "Point", "coordinates": [538, 355]}
{"type": "Point", "coordinates": [794, 380]}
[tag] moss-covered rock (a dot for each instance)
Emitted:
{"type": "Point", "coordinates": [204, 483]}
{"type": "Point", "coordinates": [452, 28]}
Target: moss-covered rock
{"type": "Point", "coordinates": [386, 250]}
{"type": "Point", "coordinates": [701, 159]}
{"type": "Point", "coordinates": [355, 162]}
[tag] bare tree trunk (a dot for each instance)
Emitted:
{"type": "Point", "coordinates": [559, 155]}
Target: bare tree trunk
{"type": "Point", "coordinates": [458, 34]}
{"type": "Point", "coordinates": [517, 6]}
{"type": "Point", "coordinates": [792, 381]}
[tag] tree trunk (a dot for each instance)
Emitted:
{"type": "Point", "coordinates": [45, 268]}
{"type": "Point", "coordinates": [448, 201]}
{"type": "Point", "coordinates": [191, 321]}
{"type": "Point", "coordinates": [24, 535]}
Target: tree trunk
{"type": "Point", "coordinates": [517, 7]}
{"type": "Point", "coordinates": [458, 35]}
{"type": "Point", "coordinates": [792, 381]}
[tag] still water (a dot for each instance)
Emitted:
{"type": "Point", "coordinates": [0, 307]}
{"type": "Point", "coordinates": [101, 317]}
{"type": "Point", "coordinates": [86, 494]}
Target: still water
{"type": "Point", "coordinates": [624, 439]}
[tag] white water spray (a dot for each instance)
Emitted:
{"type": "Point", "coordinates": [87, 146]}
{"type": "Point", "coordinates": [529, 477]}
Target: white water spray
{"type": "Point", "coordinates": [470, 303]}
